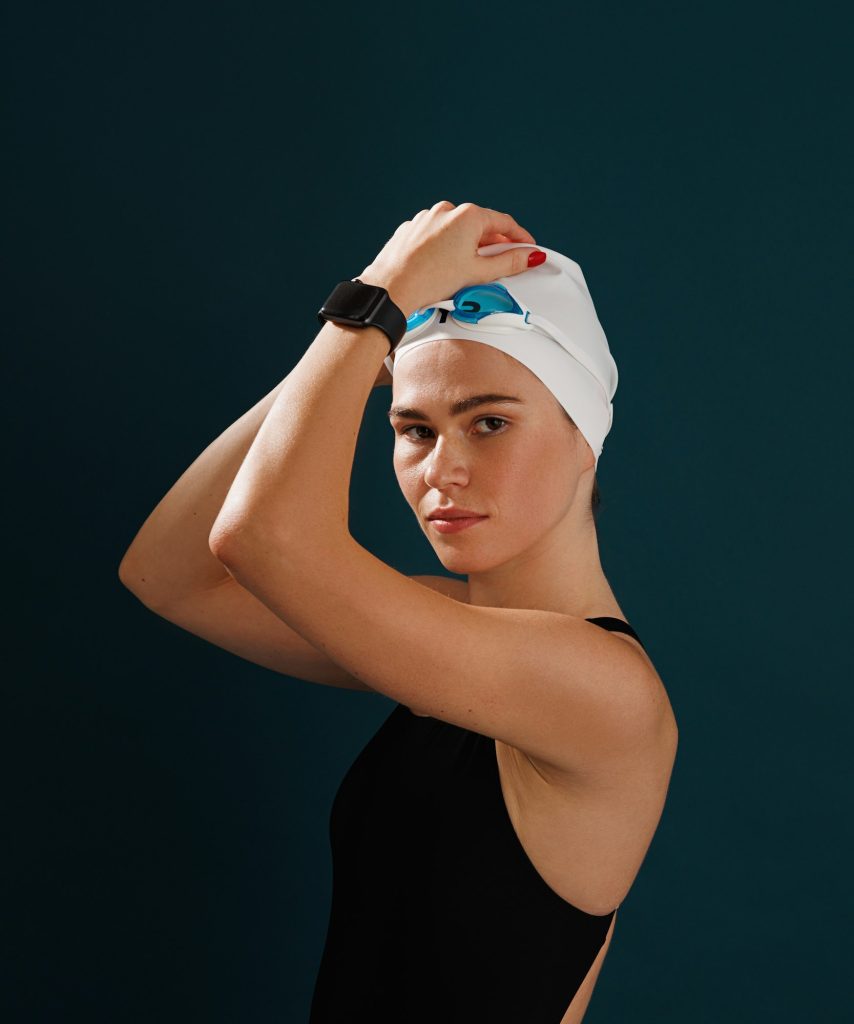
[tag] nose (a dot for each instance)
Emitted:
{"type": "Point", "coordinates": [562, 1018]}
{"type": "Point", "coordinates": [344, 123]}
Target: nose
{"type": "Point", "coordinates": [446, 464]}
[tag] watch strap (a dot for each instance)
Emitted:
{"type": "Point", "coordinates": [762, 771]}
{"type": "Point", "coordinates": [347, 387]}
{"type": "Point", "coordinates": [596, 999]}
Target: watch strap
{"type": "Point", "coordinates": [357, 304]}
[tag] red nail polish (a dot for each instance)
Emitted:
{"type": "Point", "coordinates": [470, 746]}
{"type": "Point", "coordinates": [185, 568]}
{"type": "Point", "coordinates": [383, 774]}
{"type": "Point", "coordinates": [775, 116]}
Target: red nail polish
{"type": "Point", "coordinates": [536, 258]}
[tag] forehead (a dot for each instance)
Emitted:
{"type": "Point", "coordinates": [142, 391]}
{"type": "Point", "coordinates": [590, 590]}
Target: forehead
{"type": "Point", "coordinates": [457, 376]}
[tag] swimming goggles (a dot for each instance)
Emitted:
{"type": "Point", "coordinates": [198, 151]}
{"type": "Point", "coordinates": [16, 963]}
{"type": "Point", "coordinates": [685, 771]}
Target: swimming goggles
{"type": "Point", "coordinates": [493, 308]}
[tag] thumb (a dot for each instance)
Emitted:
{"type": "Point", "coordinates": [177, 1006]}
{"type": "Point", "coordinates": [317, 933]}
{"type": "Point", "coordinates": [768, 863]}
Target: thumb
{"type": "Point", "coordinates": [504, 259]}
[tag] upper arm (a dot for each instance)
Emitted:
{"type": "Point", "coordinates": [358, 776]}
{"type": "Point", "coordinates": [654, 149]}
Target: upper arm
{"type": "Point", "coordinates": [231, 617]}
{"type": "Point", "coordinates": [555, 686]}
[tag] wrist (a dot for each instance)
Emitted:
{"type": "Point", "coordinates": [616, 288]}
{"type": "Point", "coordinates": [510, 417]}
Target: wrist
{"type": "Point", "coordinates": [396, 292]}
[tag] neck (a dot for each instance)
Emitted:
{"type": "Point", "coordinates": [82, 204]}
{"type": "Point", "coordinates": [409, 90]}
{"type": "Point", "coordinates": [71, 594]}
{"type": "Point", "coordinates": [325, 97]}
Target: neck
{"type": "Point", "coordinates": [562, 572]}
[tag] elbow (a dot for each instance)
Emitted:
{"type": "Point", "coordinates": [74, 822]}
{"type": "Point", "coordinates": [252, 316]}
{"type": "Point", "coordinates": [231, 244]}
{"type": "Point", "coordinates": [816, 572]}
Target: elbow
{"type": "Point", "coordinates": [228, 530]}
{"type": "Point", "coordinates": [232, 538]}
{"type": "Point", "coordinates": [240, 541]}
{"type": "Point", "coordinates": [138, 581]}
{"type": "Point", "coordinates": [131, 572]}
{"type": "Point", "coordinates": [125, 573]}
{"type": "Point", "coordinates": [129, 566]}
{"type": "Point", "coordinates": [223, 545]}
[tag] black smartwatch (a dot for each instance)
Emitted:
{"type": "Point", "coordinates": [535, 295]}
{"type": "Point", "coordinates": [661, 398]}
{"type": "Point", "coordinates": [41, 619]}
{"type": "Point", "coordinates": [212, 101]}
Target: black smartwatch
{"type": "Point", "coordinates": [357, 304]}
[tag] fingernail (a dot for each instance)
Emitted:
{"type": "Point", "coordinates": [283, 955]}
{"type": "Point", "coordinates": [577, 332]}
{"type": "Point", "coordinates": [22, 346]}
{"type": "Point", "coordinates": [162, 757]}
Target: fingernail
{"type": "Point", "coordinates": [536, 258]}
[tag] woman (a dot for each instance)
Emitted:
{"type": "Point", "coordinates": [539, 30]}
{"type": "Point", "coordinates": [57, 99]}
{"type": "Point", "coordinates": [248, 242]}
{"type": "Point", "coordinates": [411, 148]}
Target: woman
{"type": "Point", "coordinates": [485, 836]}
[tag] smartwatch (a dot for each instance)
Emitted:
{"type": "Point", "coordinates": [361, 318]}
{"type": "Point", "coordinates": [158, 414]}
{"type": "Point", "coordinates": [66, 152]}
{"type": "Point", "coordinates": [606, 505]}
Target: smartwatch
{"type": "Point", "coordinates": [356, 304]}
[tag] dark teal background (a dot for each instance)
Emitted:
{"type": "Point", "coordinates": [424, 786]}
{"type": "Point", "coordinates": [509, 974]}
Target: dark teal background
{"type": "Point", "coordinates": [183, 187]}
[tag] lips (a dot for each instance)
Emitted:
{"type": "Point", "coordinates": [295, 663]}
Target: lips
{"type": "Point", "coordinates": [455, 513]}
{"type": "Point", "coordinates": [456, 524]}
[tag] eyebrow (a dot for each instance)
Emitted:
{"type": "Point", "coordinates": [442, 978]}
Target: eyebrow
{"type": "Point", "coordinates": [455, 409]}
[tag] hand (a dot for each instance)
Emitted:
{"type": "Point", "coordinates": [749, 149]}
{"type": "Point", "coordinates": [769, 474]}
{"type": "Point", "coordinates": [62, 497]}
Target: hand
{"type": "Point", "coordinates": [432, 256]}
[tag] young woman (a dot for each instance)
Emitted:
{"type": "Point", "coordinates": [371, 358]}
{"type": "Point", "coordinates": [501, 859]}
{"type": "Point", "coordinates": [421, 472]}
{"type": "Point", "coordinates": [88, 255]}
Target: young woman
{"type": "Point", "coordinates": [485, 836]}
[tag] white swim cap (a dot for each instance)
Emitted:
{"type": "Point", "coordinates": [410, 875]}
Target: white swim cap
{"type": "Point", "coordinates": [558, 337]}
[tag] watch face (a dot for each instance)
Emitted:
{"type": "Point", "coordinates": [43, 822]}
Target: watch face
{"type": "Point", "coordinates": [354, 300]}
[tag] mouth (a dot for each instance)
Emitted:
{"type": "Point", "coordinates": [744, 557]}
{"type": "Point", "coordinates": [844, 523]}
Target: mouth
{"type": "Point", "coordinates": [449, 514]}
{"type": "Point", "coordinates": [452, 519]}
{"type": "Point", "coordinates": [456, 523]}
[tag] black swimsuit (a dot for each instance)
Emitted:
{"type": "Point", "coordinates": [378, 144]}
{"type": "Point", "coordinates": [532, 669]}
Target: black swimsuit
{"type": "Point", "coordinates": [437, 912]}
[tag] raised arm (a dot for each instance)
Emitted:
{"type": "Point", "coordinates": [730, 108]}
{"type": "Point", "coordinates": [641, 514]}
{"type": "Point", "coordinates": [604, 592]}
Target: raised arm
{"type": "Point", "coordinates": [170, 557]}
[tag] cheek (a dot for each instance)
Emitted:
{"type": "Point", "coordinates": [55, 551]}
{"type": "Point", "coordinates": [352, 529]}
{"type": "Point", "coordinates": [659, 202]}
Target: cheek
{"type": "Point", "coordinates": [409, 475]}
{"type": "Point", "coordinates": [529, 487]}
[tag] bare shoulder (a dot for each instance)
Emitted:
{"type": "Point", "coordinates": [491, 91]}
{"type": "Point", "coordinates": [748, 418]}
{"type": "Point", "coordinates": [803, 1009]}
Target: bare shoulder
{"type": "Point", "coordinates": [667, 710]}
{"type": "Point", "coordinates": [647, 761]}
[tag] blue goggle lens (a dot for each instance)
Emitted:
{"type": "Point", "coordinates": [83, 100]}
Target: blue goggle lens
{"type": "Point", "coordinates": [479, 300]}
{"type": "Point", "coordinates": [418, 318]}
{"type": "Point", "coordinates": [472, 304]}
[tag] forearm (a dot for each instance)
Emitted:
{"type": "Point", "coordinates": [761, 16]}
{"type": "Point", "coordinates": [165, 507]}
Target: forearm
{"type": "Point", "coordinates": [292, 489]}
{"type": "Point", "coordinates": [170, 556]}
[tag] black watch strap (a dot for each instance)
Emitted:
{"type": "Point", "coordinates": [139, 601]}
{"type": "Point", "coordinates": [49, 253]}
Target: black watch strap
{"type": "Point", "coordinates": [357, 304]}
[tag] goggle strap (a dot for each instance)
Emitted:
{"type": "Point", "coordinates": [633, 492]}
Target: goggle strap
{"type": "Point", "coordinates": [574, 349]}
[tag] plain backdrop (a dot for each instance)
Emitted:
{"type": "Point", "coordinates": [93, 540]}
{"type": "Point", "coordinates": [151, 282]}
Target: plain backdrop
{"type": "Point", "coordinates": [183, 186]}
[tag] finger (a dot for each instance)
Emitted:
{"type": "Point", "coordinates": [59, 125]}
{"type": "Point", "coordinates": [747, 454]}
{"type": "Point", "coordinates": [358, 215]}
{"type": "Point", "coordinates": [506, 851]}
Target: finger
{"type": "Point", "coordinates": [495, 221]}
{"type": "Point", "coordinates": [507, 264]}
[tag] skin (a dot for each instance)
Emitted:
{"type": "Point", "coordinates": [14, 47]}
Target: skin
{"type": "Point", "coordinates": [531, 472]}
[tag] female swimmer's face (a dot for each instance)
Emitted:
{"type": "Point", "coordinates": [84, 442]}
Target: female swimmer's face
{"type": "Point", "coordinates": [517, 463]}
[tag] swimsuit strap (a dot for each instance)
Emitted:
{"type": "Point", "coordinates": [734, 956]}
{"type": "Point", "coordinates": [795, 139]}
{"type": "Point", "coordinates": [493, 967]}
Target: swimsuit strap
{"type": "Point", "coordinates": [617, 625]}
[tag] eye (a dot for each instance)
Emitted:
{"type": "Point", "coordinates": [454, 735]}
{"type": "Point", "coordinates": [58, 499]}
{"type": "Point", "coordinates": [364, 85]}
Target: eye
{"type": "Point", "coordinates": [483, 419]}
{"type": "Point", "coordinates": [491, 419]}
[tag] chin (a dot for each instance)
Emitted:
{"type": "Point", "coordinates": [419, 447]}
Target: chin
{"type": "Point", "coordinates": [464, 563]}
{"type": "Point", "coordinates": [458, 565]}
